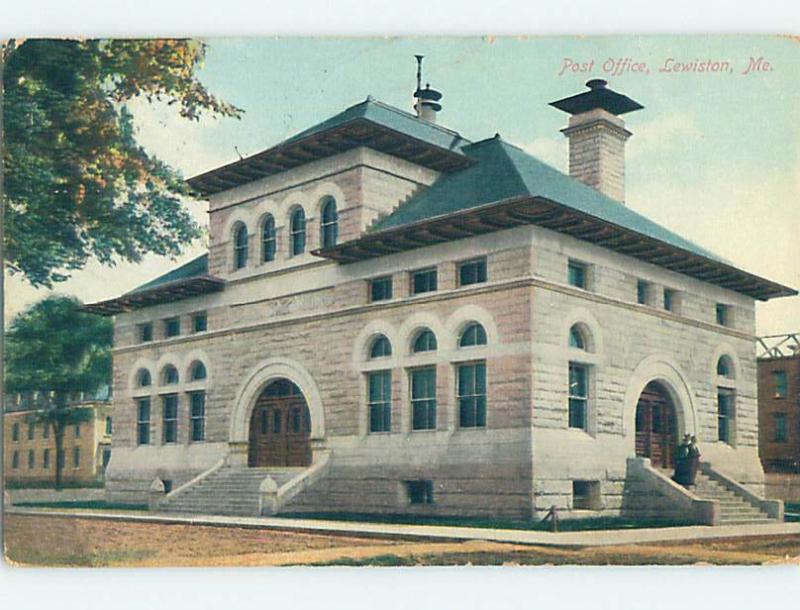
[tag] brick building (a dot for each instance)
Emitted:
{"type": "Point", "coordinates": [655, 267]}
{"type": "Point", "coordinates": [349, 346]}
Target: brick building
{"type": "Point", "coordinates": [30, 449]}
{"type": "Point", "coordinates": [779, 414]}
{"type": "Point", "coordinates": [394, 319]}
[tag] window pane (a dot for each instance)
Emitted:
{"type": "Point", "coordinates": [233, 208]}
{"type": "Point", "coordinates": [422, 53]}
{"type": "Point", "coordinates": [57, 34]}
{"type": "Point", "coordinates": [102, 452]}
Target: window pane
{"type": "Point", "coordinates": [472, 272]}
{"type": "Point", "coordinates": [381, 289]}
{"type": "Point", "coordinates": [576, 274]}
{"type": "Point", "coordinates": [424, 281]}
{"type": "Point", "coordinates": [200, 322]}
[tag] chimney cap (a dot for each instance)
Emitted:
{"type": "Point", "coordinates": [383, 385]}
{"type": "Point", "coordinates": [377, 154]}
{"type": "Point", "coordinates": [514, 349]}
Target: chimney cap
{"type": "Point", "coordinates": [598, 96]}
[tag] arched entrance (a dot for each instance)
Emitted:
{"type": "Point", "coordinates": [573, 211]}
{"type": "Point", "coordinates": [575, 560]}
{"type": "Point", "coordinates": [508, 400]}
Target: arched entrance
{"type": "Point", "coordinates": [656, 426]}
{"type": "Point", "coordinates": [280, 427]}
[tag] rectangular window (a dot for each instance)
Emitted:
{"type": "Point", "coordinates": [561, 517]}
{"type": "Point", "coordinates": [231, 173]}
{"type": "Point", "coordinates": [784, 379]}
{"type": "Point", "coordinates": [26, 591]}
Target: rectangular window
{"type": "Point", "coordinates": [781, 384]}
{"type": "Point", "coordinates": [578, 395]}
{"type": "Point", "coordinates": [423, 398]}
{"type": "Point", "coordinates": [143, 421]}
{"type": "Point", "coordinates": [172, 327]}
{"type": "Point", "coordinates": [642, 292]}
{"type": "Point", "coordinates": [106, 458]}
{"type": "Point", "coordinates": [725, 413]}
{"type": "Point", "coordinates": [76, 457]}
{"type": "Point", "coordinates": [200, 322]}
{"type": "Point", "coordinates": [15, 460]}
{"type": "Point", "coordinates": [31, 459]}
{"type": "Point", "coordinates": [15, 433]}
{"type": "Point", "coordinates": [169, 405]}
{"type": "Point", "coordinates": [109, 425]}
{"type": "Point", "coordinates": [723, 314]}
{"type": "Point", "coordinates": [380, 401]}
{"type": "Point", "coordinates": [380, 289]}
{"type": "Point", "coordinates": [424, 280]}
{"type": "Point", "coordinates": [45, 430]}
{"type": "Point", "coordinates": [576, 274]}
{"type": "Point", "coordinates": [198, 407]}
{"type": "Point", "coordinates": [781, 427]}
{"type": "Point", "coordinates": [585, 495]}
{"type": "Point", "coordinates": [145, 332]}
{"type": "Point", "coordinates": [77, 430]}
{"type": "Point", "coordinates": [31, 431]}
{"type": "Point", "coordinates": [62, 459]}
{"type": "Point", "coordinates": [46, 459]}
{"type": "Point", "coordinates": [419, 492]}
{"type": "Point", "coordinates": [472, 395]}
{"type": "Point", "coordinates": [472, 272]}
{"type": "Point", "coordinates": [669, 299]}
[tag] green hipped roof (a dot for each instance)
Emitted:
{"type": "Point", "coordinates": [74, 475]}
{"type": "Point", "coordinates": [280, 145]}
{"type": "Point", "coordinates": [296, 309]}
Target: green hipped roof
{"type": "Point", "coordinates": [194, 268]}
{"type": "Point", "coordinates": [502, 171]}
{"type": "Point", "coordinates": [393, 118]}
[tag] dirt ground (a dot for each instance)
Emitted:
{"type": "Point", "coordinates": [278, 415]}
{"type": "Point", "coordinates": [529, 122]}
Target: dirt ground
{"type": "Point", "coordinates": [70, 541]}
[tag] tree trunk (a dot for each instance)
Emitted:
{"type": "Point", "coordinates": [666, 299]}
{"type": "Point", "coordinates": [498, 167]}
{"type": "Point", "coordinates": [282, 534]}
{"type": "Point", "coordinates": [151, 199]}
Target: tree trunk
{"type": "Point", "coordinates": [58, 433]}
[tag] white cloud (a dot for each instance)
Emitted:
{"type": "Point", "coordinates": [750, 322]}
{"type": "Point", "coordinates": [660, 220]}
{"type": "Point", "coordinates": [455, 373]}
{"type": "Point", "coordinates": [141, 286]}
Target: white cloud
{"type": "Point", "coordinates": [553, 151]}
{"type": "Point", "coordinates": [668, 131]}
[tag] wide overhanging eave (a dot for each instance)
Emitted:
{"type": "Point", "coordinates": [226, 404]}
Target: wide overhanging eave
{"type": "Point", "coordinates": [564, 219]}
{"type": "Point", "coordinates": [352, 134]}
{"type": "Point", "coordinates": [165, 293]}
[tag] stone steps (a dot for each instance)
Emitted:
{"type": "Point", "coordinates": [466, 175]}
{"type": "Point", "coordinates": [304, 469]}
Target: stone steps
{"type": "Point", "coordinates": [228, 491]}
{"type": "Point", "coordinates": [734, 509]}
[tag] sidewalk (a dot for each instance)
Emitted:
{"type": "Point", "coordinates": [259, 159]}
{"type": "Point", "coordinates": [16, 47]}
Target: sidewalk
{"type": "Point", "coordinates": [439, 533]}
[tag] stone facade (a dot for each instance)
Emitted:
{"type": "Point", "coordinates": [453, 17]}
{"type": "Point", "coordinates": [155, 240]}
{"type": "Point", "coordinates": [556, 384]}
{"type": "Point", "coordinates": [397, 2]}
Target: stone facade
{"type": "Point", "coordinates": [310, 320]}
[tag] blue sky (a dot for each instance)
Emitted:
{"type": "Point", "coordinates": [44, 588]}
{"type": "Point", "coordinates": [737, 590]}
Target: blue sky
{"type": "Point", "coordinates": [714, 156]}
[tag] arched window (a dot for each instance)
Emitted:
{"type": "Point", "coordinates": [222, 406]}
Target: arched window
{"type": "Point", "coordinates": [143, 378]}
{"type": "Point", "coordinates": [381, 347]}
{"type": "Point", "coordinates": [725, 367]}
{"type": "Point", "coordinates": [268, 242]}
{"type": "Point", "coordinates": [576, 338]}
{"type": "Point", "coordinates": [329, 227]}
{"type": "Point", "coordinates": [170, 374]}
{"type": "Point", "coordinates": [425, 342]}
{"type": "Point", "coordinates": [474, 334]}
{"type": "Point", "coordinates": [298, 231]}
{"type": "Point", "coordinates": [240, 247]}
{"type": "Point", "coordinates": [198, 371]}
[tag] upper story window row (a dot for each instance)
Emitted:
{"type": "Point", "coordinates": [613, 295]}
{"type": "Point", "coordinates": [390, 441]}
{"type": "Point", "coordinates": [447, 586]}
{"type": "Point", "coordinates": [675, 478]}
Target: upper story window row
{"type": "Point", "coordinates": [581, 275]}
{"type": "Point", "coordinates": [298, 228]}
{"type": "Point", "coordinates": [173, 326]}
{"type": "Point", "coordinates": [425, 280]}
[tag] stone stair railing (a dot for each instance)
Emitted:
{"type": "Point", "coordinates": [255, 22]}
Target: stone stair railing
{"type": "Point", "coordinates": [157, 495]}
{"type": "Point", "coordinates": [272, 498]}
{"type": "Point", "coordinates": [679, 499]}
{"type": "Point", "coordinates": [773, 508]}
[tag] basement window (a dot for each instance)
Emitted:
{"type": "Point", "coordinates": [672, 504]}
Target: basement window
{"type": "Point", "coordinates": [586, 495]}
{"type": "Point", "coordinates": [420, 492]}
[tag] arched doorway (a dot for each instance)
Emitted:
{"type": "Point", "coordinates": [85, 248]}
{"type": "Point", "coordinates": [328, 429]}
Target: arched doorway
{"type": "Point", "coordinates": [656, 426]}
{"type": "Point", "coordinates": [280, 427]}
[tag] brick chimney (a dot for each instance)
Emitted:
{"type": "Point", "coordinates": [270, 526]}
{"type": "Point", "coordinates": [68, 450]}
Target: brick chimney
{"type": "Point", "coordinates": [597, 137]}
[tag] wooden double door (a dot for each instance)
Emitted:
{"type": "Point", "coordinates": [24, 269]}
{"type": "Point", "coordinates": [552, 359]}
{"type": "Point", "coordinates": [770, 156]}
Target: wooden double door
{"type": "Point", "coordinates": [656, 431]}
{"type": "Point", "coordinates": [280, 427]}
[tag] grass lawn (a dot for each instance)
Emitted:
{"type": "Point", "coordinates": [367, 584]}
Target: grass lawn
{"type": "Point", "coordinates": [91, 504]}
{"type": "Point", "coordinates": [564, 525]}
{"type": "Point", "coordinates": [54, 540]}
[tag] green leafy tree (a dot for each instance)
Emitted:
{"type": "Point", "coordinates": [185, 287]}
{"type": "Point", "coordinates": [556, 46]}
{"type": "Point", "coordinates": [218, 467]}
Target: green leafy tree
{"type": "Point", "coordinates": [77, 183]}
{"type": "Point", "coordinates": [58, 350]}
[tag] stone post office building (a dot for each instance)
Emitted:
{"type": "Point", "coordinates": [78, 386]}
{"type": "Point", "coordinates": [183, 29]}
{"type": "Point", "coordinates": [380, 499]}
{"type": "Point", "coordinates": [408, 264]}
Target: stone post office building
{"type": "Point", "coordinates": [394, 319]}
